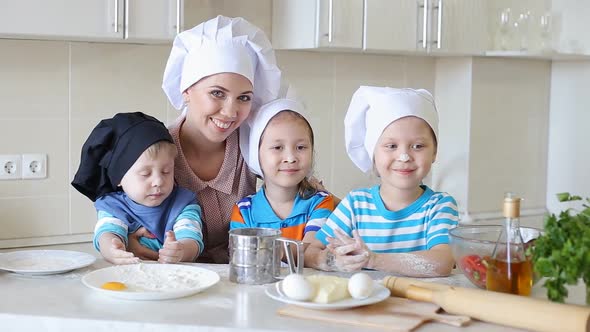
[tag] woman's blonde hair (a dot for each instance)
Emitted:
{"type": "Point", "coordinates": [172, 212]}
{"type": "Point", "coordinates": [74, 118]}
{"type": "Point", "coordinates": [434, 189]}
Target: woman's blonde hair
{"type": "Point", "coordinates": [306, 189]}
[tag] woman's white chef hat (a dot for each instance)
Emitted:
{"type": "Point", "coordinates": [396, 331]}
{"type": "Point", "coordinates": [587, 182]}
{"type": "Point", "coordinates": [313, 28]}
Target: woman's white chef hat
{"type": "Point", "coordinates": [372, 109]}
{"type": "Point", "coordinates": [251, 130]}
{"type": "Point", "coordinates": [222, 45]}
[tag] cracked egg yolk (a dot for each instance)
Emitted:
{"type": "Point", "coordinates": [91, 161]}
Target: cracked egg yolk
{"type": "Point", "coordinates": [114, 286]}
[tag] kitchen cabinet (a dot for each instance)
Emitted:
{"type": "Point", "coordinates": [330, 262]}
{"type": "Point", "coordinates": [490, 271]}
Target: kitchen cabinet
{"type": "Point", "coordinates": [313, 24]}
{"type": "Point", "coordinates": [433, 26]}
{"type": "Point", "coordinates": [100, 20]}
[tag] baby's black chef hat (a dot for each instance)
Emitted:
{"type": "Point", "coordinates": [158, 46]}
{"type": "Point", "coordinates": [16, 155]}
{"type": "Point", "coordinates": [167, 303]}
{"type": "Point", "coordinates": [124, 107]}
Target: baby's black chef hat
{"type": "Point", "coordinates": [112, 148]}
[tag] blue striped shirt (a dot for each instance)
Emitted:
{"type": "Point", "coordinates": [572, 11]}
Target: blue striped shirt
{"type": "Point", "coordinates": [419, 226]}
{"type": "Point", "coordinates": [186, 226]}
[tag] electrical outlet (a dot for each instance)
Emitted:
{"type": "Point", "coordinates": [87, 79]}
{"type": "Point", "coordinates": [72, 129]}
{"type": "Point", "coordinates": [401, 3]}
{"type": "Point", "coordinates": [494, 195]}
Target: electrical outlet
{"type": "Point", "coordinates": [10, 167]}
{"type": "Point", "coordinates": [34, 166]}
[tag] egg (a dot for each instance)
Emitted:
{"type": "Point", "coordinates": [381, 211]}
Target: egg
{"type": "Point", "coordinates": [360, 286]}
{"type": "Point", "coordinates": [297, 287]}
{"type": "Point", "coordinates": [114, 286]}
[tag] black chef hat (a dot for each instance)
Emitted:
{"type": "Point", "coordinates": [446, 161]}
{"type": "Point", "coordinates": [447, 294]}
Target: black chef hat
{"type": "Point", "coordinates": [112, 148]}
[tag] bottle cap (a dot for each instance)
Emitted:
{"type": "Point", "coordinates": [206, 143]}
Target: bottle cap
{"type": "Point", "coordinates": [511, 206]}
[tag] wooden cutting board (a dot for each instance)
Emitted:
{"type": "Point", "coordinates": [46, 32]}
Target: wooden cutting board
{"type": "Point", "coordinates": [392, 314]}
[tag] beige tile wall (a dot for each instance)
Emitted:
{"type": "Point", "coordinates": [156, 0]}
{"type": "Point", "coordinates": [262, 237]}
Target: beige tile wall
{"type": "Point", "coordinates": [53, 93]}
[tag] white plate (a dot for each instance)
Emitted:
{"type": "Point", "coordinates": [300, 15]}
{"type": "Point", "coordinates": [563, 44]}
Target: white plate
{"type": "Point", "coordinates": [380, 293]}
{"type": "Point", "coordinates": [41, 262]}
{"type": "Point", "coordinates": [152, 281]}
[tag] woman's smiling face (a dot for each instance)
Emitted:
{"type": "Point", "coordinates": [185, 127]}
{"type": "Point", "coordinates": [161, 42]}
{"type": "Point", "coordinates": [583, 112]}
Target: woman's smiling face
{"type": "Point", "coordinates": [218, 104]}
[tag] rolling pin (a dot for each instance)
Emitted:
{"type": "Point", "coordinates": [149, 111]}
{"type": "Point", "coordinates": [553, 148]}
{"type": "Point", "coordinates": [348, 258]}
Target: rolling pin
{"type": "Point", "coordinates": [505, 309]}
{"type": "Point", "coordinates": [399, 285]}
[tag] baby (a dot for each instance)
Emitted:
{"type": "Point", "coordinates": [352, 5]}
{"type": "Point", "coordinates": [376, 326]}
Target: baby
{"type": "Point", "coordinates": [127, 169]}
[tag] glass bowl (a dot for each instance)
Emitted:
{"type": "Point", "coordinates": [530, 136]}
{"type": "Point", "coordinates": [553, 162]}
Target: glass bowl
{"type": "Point", "coordinates": [472, 245]}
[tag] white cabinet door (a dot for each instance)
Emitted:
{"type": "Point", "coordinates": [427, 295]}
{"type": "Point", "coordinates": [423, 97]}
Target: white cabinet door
{"type": "Point", "coordinates": [439, 26]}
{"type": "Point", "coordinates": [459, 26]}
{"type": "Point", "coordinates": [70, 19]}
{"type": "Point", "coordinates": [153, 20]}
{"type": "Point", "coordinates": [312, 24]}
{"type": "Point", "coordinates": [393, 25]}
{"type": "Point", "coordinates": [340, 23]}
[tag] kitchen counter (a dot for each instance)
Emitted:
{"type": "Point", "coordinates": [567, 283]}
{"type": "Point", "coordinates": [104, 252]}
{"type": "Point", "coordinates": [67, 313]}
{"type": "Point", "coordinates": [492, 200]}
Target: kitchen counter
{"type": "Point", "coordinates": [62, 303]}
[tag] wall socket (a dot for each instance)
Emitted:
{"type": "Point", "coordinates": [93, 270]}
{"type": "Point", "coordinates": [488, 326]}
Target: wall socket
{"type": "Point", "coordinates": [34, 166]}
{"type": "Point", "coordinates": [25, 166]}
{"type": "Point", "coordinates": [10, 167]}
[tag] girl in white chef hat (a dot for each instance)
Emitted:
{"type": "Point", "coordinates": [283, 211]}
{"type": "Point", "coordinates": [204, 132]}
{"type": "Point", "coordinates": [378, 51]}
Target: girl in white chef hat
{"type": "Point", "coordinates": [400, 225]}
{"type": "Point", "coordinates": [278, 146]}
{"type": "Point", "coordinates": [216, 73]}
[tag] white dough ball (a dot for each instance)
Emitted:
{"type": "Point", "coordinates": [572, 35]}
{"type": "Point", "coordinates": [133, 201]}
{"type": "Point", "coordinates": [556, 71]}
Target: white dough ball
{"type": "Point", "coordinates": [360, 286]}
{"type": "Point", "coordinates": [297, 287]}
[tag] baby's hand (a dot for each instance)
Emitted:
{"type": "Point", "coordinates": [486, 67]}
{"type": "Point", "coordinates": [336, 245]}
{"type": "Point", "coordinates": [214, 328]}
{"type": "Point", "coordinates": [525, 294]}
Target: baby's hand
{"type": "Point", "coordinates": [137, 249]}
{"type": "Point", "coordinates": [173, 250]}
{"type": "Point", "coordinates": [116, 253]}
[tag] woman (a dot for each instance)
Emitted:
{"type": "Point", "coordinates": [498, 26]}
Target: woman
{"type": "Point", "coordinates": [216, 73]}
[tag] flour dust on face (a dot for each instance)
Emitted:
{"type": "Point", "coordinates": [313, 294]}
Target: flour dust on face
{"type": "Point", "coordinates": [286, 151]}
{"type": "Point", "coordinates": [404, 154]}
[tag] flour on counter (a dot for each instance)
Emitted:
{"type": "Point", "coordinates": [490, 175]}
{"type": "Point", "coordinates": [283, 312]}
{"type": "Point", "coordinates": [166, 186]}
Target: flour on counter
{"type": "Point", "coordinates": [158, 277]}
{"type": "Point", "coordinates": [40, 263]}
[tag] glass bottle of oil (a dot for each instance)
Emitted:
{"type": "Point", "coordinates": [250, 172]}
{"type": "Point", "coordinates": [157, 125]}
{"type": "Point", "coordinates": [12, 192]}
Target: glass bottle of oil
{"type": "Point", "coordinates": [510, 270]}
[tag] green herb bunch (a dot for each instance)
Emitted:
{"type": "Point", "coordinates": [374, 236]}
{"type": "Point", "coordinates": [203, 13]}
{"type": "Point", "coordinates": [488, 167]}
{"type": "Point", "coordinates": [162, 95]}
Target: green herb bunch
{"type": "Point", "coordinates": [562, 253]}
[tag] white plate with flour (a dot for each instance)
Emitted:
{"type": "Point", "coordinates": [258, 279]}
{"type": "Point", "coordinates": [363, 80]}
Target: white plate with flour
{"type": "Point", "coordinates": [152, 281]}
{"type": "Point", "coordinates": [42, 262]}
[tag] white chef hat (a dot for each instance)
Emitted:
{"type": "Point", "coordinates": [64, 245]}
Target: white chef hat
{"type": "Point", "coordinates": [372, 109]}
{"type": "Point", "coordinates": [222, 45]}
{"type": "Point", "coordinates": [252, 129]}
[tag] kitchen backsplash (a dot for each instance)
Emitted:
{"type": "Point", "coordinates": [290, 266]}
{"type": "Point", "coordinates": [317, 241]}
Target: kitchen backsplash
{"type": "Point", "coordinates": [53, 93]}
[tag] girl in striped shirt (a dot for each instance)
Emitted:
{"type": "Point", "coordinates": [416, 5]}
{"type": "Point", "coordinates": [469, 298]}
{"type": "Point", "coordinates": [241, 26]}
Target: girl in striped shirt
{"type": "Point", "coordinates": [401, 225]}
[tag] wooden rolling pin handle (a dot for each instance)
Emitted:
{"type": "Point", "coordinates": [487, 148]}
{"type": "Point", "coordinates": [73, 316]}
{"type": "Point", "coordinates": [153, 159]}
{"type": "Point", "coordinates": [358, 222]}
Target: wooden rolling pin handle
{"type": "Point", "coordinates": [419, 294]}
{"type": "Point", "coordinates": [399, 285]}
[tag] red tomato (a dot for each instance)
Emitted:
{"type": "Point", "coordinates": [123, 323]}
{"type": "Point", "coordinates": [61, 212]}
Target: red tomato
{"type": "Point", "coordinates": [475, 269]}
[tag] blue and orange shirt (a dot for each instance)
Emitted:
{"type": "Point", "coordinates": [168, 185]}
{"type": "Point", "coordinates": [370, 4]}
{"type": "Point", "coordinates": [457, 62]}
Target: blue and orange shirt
{"type": "Point", "coordinates": [307, 214]}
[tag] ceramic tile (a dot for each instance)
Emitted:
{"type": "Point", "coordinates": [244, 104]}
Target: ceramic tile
{"type": "Point", "coordinates": [110, 78]}
{"type": "Point", "coordinates": [82, 213]}
{"type": "Point", "coordinates": [49, 136]}
{"type": "Point", "coordinates": [34, 216]}
{"type": "Point", "coordinates": [310, 75]}
{"type": "Point", "coordinates": [350, 72]}
{"type": "Point", "coordinates": [509, 135]}
{"type": "Point", "coordinates": [420, 73]}
{"type": "Point", "coordinates": [34, 80]}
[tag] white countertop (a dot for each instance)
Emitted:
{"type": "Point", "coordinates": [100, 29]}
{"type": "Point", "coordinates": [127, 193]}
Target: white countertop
{"type": "Point", "coordinates": [62, 303]}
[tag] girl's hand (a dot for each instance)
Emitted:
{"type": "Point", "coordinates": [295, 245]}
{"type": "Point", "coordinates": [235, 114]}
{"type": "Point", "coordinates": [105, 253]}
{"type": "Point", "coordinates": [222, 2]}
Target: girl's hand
{"type": "Point", "coordinates": [173, 250]}
{"type": "Point", "coordinates": [350, 254]}
{"type": "Point", "coordinates": [136, 248]}
{"type": "Point", "coordinates": [116, 253]}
